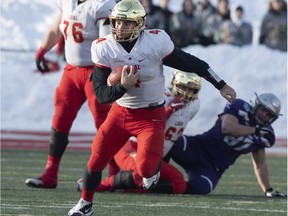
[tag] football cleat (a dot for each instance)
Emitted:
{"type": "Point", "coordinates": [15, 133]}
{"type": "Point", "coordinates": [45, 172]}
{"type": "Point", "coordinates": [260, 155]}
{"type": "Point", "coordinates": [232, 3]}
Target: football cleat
{"type": "Point", "coordinates": [82, 208]}
{"type": "Point", "coordinates": [150, 183]}
{"type": "Point", "coordinates": [38, 183]}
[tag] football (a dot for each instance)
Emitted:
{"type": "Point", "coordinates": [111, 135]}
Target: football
{"type": "Point", "coordinates": [115, 75]}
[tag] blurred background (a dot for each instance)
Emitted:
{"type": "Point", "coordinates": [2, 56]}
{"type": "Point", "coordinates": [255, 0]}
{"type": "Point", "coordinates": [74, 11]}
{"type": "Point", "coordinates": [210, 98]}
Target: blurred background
{"type": "Point", "coordinates": [244, 58]}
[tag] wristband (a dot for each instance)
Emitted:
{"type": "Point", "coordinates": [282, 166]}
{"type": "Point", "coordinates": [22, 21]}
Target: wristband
{"type": "Point", "coordinates": [220, 85]}
{"type": "Point", "coordinates": [215, 79]}
{"type": "Point", "coordinates": [40, 53]}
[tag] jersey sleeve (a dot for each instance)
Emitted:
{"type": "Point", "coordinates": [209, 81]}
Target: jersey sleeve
{"type": "Point", "coordinates": [161, 43]}
{"type": "Point", "coordinates": [167, 45]}
{"type": "Point", "coordinates": [233, 108]}
{"type": "Point", "coordinates": [97, 53]}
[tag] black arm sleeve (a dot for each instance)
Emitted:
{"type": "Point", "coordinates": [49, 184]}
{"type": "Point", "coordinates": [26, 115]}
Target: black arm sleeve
{"type": "Point", "coordinates": [186, 62]}
{"type": "Point", "coordinates": [103, 92]}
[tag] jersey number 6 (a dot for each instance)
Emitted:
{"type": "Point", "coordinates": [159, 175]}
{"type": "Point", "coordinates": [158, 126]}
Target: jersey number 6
{"type": "Point", "coordinates": [76, 31]}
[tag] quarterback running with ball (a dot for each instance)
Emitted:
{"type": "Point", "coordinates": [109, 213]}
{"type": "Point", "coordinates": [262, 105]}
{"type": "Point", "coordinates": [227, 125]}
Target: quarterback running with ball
{"type": "Point", "coordinates": [138, 109]}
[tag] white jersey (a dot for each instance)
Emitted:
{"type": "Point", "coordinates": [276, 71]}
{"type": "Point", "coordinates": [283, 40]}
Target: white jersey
{"type": "Point", "coordinates": [79, 27]}
{"type": "Point", "coordinates": [178, 120]}
{"type": "Point", "coordinates": [151, 48]}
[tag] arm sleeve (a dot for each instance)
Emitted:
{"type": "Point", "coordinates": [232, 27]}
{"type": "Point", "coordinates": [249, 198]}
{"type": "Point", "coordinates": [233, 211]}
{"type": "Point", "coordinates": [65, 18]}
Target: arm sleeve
{"type": "Point", "coordinates": [186, 62]}
{"type": "Point", "coordinates": [103, 92]}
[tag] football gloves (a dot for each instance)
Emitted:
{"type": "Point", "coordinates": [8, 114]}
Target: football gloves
{"type": "Point", "coordinates": [274, 194]}
{"type": "Point", "coordinates": [265, 132]}
{"type": "Point", "coordinates": [41, 65]}
{"type": "Point", "coordinates": [40, 60]}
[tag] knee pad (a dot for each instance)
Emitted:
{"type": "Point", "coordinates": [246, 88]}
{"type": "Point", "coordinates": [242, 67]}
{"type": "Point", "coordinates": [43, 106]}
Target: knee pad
{"type": "Point", "coordinates": [58, 143]}
{"type": "Point", "coordinates": [124, 180]}
{"type": "Point", "coordinates": [91, 180]}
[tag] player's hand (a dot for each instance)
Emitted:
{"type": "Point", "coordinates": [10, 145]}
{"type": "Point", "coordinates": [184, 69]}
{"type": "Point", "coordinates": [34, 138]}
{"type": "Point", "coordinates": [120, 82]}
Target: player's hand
{"type": "Point", "coordinates": [42, 66]}
{"type": "Point", "coordinates": [228, 92]}
{"type": "Point", "coordinates": [265, 132]}
{"type": "Point", "coordinates": [177, 104]}
{"type": "Point", "coordinates": [274, 194]}
{"type": "Point", "coordinates": [129, 76]}
{"type": "Point", "coordinates": [40, 60]}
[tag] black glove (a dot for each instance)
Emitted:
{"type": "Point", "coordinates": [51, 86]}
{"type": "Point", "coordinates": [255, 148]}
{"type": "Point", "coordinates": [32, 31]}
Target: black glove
{"type": "Point", "coordinates": [41, 65]}
{"type": "Point", "coordinates": [274, 194]}
{"type": "Point", "coordinates": [266, 132]}
{"type": "Point", "coordinates": [40, 60]}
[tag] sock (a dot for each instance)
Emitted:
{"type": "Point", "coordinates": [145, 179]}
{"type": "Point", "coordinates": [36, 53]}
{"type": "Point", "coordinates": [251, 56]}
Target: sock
{"type": "Point", "coordinates": [87, 195]}
{"type": "Point", "coordinates": [51, 171]}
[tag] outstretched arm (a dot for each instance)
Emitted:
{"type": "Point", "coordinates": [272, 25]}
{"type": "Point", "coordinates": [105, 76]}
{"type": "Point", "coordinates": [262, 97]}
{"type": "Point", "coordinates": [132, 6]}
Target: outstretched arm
{"type": "Point", "coordinates": [260, 168]}
{"type": "Point", "coordinates": [186, 62]}
{"type": "Point", "coordinates": [261, 172]}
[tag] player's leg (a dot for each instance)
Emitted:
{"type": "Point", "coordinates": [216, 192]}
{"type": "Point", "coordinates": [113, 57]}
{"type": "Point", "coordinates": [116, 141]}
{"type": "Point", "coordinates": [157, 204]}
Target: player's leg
{"type": "Point", "coordinates": [125, 159]}
{"type": "Point", "coordinates": [99, 113]}
{"type": "Point", "coordinates": [67, 102]}
{"type": "Point", "coordinates": [110, 137]}
{"type": "Point", "coordinates": [150, 139]}
{"type": "Point", "coordinates": [202, 180]}
{"type": "Point", "coordinates": [188, 153]}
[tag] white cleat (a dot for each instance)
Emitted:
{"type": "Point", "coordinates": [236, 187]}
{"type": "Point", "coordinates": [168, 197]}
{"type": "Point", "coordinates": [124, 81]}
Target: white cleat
{"type": "Point", "coordinates": [38, 183]}
{"type": "Point", "coordinates": [83, 208]}
{"type": "Point", "coordinates": [150, 183]}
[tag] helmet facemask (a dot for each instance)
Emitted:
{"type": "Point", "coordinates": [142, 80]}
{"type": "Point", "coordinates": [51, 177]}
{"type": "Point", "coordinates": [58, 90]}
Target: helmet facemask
{"type": "Point", "coordinates": [128, 10]}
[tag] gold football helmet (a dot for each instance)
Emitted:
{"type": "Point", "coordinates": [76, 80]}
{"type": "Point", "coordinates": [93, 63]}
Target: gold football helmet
{"type": "Point", "coordinates": [186, 84]}
{"type": "Point", "coordinates": [130, 10]}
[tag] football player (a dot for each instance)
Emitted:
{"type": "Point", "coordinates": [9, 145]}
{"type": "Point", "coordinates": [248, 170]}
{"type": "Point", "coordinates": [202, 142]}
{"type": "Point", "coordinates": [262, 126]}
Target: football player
{"type": "Point", "coordinates": [181, 106]}
{"type": "Point", "coordinates": [242, 128]}
{"type": "Point", "coordinates": [80, 22]}
{"type": "Point", "coordinates": [139, 97]}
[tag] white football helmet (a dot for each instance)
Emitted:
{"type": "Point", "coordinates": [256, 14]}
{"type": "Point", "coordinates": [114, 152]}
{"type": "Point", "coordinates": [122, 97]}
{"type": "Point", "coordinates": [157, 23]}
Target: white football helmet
{"type": "Point", "coordinates": [271, 103]}
{"type": "Point", "coordinates": [130, 10]}
{"type": "Point", "coordinates": [186, 84]}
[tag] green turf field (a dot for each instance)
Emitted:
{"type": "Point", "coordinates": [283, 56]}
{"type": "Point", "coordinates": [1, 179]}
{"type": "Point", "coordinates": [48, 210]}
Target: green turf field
{"type": "Point", "coordinates": [237, 194]}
